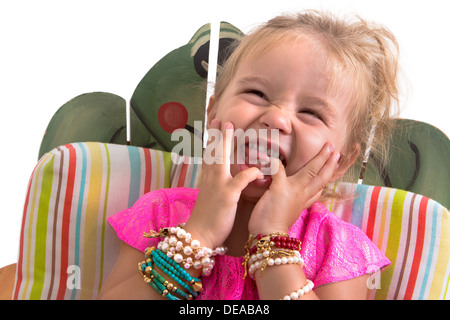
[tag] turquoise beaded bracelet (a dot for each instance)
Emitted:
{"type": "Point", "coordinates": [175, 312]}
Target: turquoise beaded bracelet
{"type": "Point", "coordinates": [188, 286]}
{"type": "Point", "coordinates": [161, 285]}
{"type": "Point", "coordinates": [176, 274]}
{"type": "Point", "coordinates": [158, 253]}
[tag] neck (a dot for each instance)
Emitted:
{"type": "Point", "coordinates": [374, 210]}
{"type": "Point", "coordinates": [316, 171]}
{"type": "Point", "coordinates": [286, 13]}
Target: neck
{"type": "Point", "coordinates": [239, 234]}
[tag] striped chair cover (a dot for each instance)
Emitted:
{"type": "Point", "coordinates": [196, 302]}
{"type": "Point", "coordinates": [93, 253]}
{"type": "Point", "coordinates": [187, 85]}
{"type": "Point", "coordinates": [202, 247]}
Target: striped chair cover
{"type": "Point", "coordinates": [412, 230]}
{"type": "Point", "coordinates": [67, 250]}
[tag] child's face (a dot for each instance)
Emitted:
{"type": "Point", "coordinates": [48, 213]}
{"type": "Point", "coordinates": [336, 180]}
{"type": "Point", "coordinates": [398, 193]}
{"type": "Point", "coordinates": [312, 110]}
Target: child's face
{"type": "Point", "coordinates": [286, 88]}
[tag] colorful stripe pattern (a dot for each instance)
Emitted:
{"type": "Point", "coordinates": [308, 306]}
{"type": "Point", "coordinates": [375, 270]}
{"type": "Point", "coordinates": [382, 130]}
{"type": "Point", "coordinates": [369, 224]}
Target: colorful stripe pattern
{"type": "Point", "coordinates": [414, 233]}
{"type": "Point", "coordinates": [66, 250]}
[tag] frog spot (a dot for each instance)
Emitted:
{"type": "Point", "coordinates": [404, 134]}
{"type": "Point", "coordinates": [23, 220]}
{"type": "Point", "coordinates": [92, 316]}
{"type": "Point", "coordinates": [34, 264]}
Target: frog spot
{"type": "Point", "coordinates": [172, 116]}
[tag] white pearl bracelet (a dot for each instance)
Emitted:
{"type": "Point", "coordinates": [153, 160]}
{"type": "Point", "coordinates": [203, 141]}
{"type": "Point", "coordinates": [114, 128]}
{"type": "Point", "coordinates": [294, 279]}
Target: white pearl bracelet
{"type": "Point", "coordinates": [300, 292]}
{"type": "Point", "coordinates": [260, 261]}
{"type": "Point", "coordinates": [178, 241]}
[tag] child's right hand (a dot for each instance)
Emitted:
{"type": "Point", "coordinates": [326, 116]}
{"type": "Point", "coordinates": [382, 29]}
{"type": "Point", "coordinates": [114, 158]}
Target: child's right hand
{"type": "Point", "coordinates": [214, 212]}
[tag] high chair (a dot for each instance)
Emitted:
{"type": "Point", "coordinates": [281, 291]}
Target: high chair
{"type": "Point", "coordinates": [88, 171]}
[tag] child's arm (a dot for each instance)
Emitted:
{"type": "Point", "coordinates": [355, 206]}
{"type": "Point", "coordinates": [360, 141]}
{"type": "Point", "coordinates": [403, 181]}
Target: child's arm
{"type": "Point", "coordinates": [125, 282]}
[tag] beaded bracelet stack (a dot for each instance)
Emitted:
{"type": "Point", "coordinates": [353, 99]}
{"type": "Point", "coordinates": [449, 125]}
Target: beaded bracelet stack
{"type": "Point", "coordinates": [179, 245]}
{"type": "Point", "coordinates": [174, 255]}
{"type": "Point", "coordinates": [272, 250]}
{"type": "Point", "coordinates": [178, 252]}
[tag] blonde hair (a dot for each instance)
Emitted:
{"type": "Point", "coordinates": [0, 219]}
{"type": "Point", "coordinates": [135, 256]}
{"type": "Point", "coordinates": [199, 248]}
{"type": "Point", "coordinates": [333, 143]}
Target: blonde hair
{"type": "Point", "coordinates": [360, 54]}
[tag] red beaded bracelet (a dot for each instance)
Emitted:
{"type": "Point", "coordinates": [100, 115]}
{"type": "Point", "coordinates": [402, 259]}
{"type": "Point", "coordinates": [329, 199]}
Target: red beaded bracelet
{"type": "Point", "coordinates": [277, 240]}
{"type": "Point", "coordinates": [286, 242]}
{"type": "Point", "coordinates": [267, 247]}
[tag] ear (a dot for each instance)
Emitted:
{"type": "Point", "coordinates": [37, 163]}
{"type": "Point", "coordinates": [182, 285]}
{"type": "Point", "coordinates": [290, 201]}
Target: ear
{"type": "Point", "coordinates": [211, 110]}
{"type": "Point", "coordinates": [346, 161]}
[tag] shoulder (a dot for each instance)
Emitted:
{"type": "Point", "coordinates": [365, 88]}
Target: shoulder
{"type": "Point", "coordinates": [154, 210]}
{"type": "Point", "coordinates": [318, 220]}
{"type": "Point", "coordinates": [337, 250]}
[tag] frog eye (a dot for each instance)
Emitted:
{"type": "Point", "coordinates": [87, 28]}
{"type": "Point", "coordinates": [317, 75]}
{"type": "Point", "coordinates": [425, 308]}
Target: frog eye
{"type": "Point", "coordinates": [201, 58]}
{"type": "Point", "coordinates": [201, 45]}
{"type": "Point", "coordinates": [200, 50]}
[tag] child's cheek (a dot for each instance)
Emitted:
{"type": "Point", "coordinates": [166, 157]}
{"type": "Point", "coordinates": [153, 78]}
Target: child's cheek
{"type": "Point", "coordinates": [308, 146]}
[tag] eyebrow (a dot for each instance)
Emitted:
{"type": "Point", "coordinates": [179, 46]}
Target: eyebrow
{"type": "Point", "coordinates": [252, 79]}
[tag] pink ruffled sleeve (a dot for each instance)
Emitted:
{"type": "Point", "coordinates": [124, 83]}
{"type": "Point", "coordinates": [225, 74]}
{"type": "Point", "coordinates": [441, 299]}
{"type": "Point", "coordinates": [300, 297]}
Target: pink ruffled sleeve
{"type": "Point", "coordinates": [335, 250]}
{"type": "Point", "coordinates": [154, 210]}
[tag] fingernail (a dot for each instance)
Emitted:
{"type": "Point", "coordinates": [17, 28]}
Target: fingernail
{"type": "Point", "coordinates": [330, 147]}
{"type": "Point", "coordinates": [228, 125]}
{"type": "Point", "coordinates": [337, 156]}
{"type": "Point", "coordinates": [215, 123]}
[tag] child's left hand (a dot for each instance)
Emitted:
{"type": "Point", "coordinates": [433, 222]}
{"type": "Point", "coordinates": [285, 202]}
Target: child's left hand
{"type": "Point", "coordinates": [288, 196]}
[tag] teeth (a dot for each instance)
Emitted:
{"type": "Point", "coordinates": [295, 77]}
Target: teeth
{"type": "Point", "coordinates": [261, 148]}
{"type": "Point", "coordinates": [269, 152]}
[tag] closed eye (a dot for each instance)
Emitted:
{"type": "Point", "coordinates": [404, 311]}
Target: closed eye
{"type": "Point", "coordinates": [256, 97]}
{"type": "Point", "coordinates": [312, 113]}
{"type": "Point", "coordinates": [256, 93]}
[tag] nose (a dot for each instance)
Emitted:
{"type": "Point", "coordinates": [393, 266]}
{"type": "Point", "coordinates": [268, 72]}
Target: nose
{"type": "Point", "coordinates": [277, 118]}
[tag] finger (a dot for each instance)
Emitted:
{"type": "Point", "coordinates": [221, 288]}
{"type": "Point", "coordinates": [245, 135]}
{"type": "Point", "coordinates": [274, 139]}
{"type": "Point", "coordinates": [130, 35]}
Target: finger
{"type": "Point", "coordinates": [314, 199]}
{"type": "Point", "coordinates": [212, 152]}
{"type": "Point", "coordinates": [243, 178]}
{"type": "Point", "coordinates": [228, 132]}
{"type": "Point", "coordinates": [325, 174]}
{"type": "Point", "coordinates": [313, 167]}
{"type": "Point", "coordinates": [222, 140]}
{"type": "Point", "coordinates": [277, 171]}
{"type": "Point", "coordinates": [215, 124]}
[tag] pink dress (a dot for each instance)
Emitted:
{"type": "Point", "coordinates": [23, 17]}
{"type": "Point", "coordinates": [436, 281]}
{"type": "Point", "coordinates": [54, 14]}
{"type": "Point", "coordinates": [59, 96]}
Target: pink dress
{"type": "Point", "coordinates": [333, 250]}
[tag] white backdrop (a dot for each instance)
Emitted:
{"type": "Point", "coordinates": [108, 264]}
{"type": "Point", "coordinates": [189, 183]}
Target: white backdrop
{"type": "Point", "coordinates": [53, 50]}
